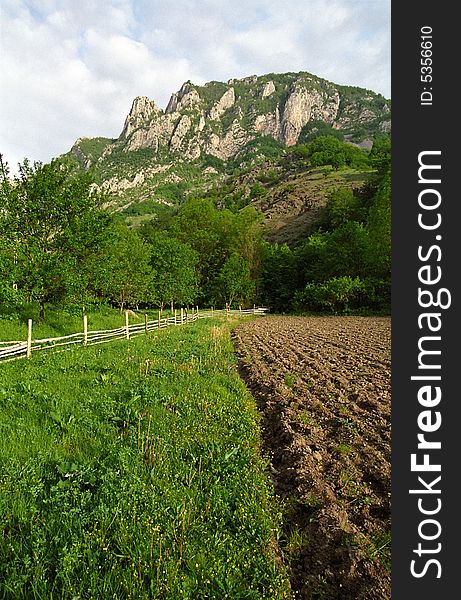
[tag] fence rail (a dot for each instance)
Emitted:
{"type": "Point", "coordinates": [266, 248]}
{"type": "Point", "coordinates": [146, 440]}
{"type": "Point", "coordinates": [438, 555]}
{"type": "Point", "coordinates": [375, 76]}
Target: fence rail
{"type": "Point", "coordinates": [24, 348]}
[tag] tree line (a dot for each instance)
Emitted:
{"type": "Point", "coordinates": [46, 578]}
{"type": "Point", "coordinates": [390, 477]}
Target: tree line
{"type": "Point", "coordinates": [345, 264]}
{"type": "Point", "coordinates": [60, 245]}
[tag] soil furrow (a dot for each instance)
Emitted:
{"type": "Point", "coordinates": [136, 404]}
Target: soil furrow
{"type": "Point", "coordinates": [322, 385]}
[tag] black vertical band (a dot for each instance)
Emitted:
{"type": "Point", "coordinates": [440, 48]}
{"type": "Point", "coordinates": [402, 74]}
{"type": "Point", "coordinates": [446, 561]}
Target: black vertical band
{"type": "Point", "coordinates": [425, 301]}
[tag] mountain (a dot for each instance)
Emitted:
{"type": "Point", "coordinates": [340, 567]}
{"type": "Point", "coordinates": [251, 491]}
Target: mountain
{"type": "Point", "coordinates": [161, 157]}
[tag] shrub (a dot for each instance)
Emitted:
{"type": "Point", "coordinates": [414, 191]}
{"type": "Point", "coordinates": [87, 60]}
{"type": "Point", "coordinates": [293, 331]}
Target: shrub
{"type": "Point", "coordinates": [335, 295]}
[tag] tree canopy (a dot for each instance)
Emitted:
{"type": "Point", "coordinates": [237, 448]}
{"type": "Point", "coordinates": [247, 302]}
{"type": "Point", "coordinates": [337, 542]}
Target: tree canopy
{"type": "Point", "coordinates": [52, 223]}
{"type": "Point", "coordinates": [59, 245]}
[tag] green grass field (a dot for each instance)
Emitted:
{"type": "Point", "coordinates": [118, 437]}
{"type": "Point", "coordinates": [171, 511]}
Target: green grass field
{"type": "Point", "coordinates": [59, 322]}
{"type": "Point", "coordinates": [133, 470]}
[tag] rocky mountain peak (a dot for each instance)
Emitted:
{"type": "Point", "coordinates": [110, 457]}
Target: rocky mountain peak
{"type": "Point", "coordinates": [268, 89]}
{"type": "Point", "coordinates": [142, 111]}
{"type": "Point", "coordinates": [226, 101]}
{"type": "Point", "coordinates": [228, 121]}
{"type": "Point", "coordinates": [220, 119]}
{"type": "Point", "coordinates": [303, 105]}
{"type": "Point", "coordinates": [187, 96]}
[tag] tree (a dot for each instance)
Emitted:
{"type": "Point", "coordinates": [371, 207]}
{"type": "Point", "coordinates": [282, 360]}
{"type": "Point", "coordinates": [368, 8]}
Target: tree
{"type": "Point", "coordinates": [336, 294]}
{"type": "Point", "coordinates": [341, 206]}
{"type": "Point", "coordinates": [174, 276]}
{"type": "Point", "coordinates": [8, 275]}
{"type": "Point", "coordinates": [234, 282]}
{"type": "Point", "coordinates": [216, 235]}
{"type": "Point", "coordinates": [327, 150]}
{"type": "Point", "coordinates": [356, 157]}
{"type": "Point", "coordinates": [345, 251]}
{"type": "Point", "coordinates": [278, 277]}
{"type": "Point", "coordinates": [196, 224]}
{"type": "Point", "coordinates": [52, 221]}
{"type": "Point", "coordinates": [123, 273]}
{"type": "Point", "coordinates": [380, 154]}
{"type": "Point", "coordinates": [379, 230]}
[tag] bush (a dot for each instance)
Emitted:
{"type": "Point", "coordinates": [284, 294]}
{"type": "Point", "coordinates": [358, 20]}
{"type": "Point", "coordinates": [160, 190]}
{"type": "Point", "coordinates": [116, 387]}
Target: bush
{"type": "Point", "coordinates": [343, 294]}
{"type": "Point", "coordinates": [377, 293]}
{"type": "Point", "coordinates": [257, 190]}
{"type": "Point", "coordinates": [314, 129]}
{"type": "Point", "coordinates": [335, 295]}
{"type": "Point", "coordinates": [329, 150]}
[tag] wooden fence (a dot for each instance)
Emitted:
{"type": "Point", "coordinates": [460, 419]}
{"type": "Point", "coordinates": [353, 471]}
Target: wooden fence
{"type": "Point", "coordinates": [20, 349]}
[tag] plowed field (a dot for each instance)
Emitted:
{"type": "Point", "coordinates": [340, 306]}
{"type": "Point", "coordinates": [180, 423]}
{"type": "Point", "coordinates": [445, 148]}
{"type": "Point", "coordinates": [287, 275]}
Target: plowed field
{"type": "Point", "coordinates": [322, 385]}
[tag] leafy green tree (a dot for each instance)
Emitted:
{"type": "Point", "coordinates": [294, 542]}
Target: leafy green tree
{"type": "Point", "coordinates": [356, 157]}
{"type": "Point", "coordinates": [338, 294]}
{"type": "Point", "coordinates": [379, 230]}
{"type": "Point", "coordinates": [216, 235]}
{"type": "Point", "coordinates": [174, 276]}
{"type": "Point", "coordinates": [309, 260]}
{"type": "Point", "coordinates": [341, 206]}
{"type": "Point", "coordinates": [197, 225]}
{"type": "Point", "coordinates": [345, 251]}
{"type": "Point", "coordinates": [8, 274]}
{"type": "Point", "coordinates": [327, 150]}
{"type": "Point", "coordinates": [380, 154]}
{"type": "Point", "coordinates": [52, 221]}
{"type": "Point", "coordinates": [278, 277]}
{"type": "Point", "coordinates": [242, 234]}
{"type": "Point", "coordinates": [123, 273]}
{"type": "Point", "coordinates": [234, 281]}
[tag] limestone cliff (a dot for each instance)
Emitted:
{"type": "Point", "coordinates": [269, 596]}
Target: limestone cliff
{"type": "Point", "coordinates": [219, 119]}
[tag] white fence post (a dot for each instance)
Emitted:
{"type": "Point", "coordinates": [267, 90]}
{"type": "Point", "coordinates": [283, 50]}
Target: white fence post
{"type": "Point", "coordinates": [145, 323]}
{"type": "Point", "coordinates": [158, 322]}
{"type": "Point", "coordinates": [127, 327]}
{"type": "Point", "coordinates": [85, 330]}
{"type": "Point", "coordinates": [175, 312]}
{"type": "Point", "coordinates": [29, 338]}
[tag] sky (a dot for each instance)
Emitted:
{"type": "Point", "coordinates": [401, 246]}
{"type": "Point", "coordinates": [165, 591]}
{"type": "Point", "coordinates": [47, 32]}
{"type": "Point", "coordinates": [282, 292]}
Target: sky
{"type": "Point", "coordinates": [71, 68]}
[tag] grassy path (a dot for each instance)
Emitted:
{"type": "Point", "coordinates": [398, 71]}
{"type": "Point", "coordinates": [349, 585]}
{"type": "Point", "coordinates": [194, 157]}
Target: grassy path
{"type": "Point", "coordinates": [132, 470]}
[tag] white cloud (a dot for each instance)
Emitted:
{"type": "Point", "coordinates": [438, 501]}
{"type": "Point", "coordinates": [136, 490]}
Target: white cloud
{"type": "Point", "coordinates": [70, 69]}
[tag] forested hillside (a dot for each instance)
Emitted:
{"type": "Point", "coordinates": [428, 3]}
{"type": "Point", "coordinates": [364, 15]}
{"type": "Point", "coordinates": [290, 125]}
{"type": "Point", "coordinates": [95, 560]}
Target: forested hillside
{"type": "Point", "coordinates": [207, 132]}
{"type": "Point", "coordinates": [62, 246]}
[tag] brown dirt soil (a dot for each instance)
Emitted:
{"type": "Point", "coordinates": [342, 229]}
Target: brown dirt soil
{"type": "Point", "coordinates": [322, 385]}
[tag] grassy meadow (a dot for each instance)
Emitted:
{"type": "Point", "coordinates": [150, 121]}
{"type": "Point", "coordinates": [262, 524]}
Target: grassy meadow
{"type": "Point", "coordinates": [59, 322]}
{"type": "Point", "coordinates": [133, 470]}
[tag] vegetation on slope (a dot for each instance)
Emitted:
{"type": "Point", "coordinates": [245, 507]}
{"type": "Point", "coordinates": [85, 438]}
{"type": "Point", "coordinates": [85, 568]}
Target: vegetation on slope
{"type": "Point", "coordinates": [361, 115]}
{"type": "Point", "coordinates": [60, 246]}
